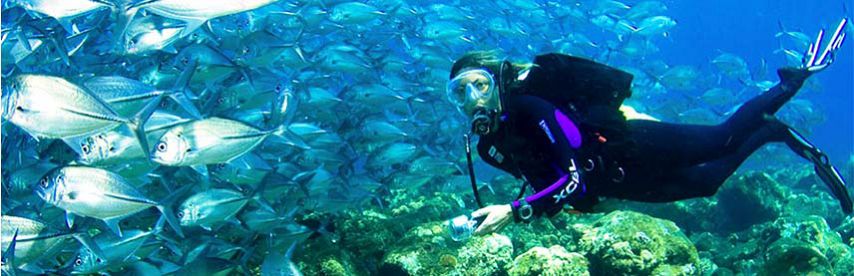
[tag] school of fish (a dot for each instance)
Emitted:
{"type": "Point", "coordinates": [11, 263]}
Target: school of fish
{"type": "Point", "coordinates": [156, 137]}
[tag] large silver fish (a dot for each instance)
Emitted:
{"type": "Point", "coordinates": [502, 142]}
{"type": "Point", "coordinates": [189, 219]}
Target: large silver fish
{"type": "Point", "coordinates": [52, 107]}
{"type": "Point", "coordinates": [209, 141]}
{"type": "Point", "coordinates": [97, 193]}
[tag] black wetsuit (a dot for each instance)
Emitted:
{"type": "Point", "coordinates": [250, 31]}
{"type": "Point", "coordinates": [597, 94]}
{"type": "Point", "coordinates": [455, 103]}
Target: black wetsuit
{"type": "Point", "coordinates": [540, 142]}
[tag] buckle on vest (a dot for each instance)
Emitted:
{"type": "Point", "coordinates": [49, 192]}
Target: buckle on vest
{"type": "Point", "coordinates": [621, 174]}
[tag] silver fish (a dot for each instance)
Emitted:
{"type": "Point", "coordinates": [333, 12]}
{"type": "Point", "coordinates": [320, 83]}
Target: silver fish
{"type": "Point", "coordinates": [22, 181]}
{"type": "Point", "coordinates": [62, 10]}
{"type": "Point", "coordinates": [354, 13]}
{"type": "Point", "coordinates": [211, 207]}
{"type": "Point", "coordinates": [51, 107]}
{"type": "Point", "coordinates": [34, 240]}
{"type": "Point", "coordinates": [196, 13]}
{"type": "Point", "coordinates": [117, 251]}
{"type": "Point", "coordinates": [209, 141]}
{"type": "Point", "coordinates": [97, 193]}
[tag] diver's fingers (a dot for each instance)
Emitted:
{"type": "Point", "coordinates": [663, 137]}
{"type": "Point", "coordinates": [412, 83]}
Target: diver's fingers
{"type": "Point", "coordinates": [480, 212]}
{"type": "Point", "coordinates": [485, 227]}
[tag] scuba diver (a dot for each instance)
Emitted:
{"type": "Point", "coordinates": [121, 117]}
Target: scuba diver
{"type": "Point", "coordinates": [556, 123]}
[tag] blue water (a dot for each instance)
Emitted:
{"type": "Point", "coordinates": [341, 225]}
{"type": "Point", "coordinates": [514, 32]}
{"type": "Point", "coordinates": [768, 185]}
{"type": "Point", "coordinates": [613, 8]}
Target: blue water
{"type": "Point", "coordinates": [747, 28]}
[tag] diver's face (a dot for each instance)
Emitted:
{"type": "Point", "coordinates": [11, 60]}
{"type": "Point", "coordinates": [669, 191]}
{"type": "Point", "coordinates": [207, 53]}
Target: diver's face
{"type": "Point", "coordinates": [473, 89]}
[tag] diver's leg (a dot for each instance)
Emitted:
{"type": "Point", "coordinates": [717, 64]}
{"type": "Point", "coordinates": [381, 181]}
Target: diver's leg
{"type": "Point", "coordinates": [693, 144]}
{"type": "Point", "coordinates": [656, 183]}
{"type": "Point", "coordinates": [751, 115]}
{"type": "Point", "coordinates": [828, 174]}
{"type": "Point", "coordinates": [672, 144]}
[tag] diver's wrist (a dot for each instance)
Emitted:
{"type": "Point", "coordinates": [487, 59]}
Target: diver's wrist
{"type": "Point", "coordinates": [522, 211]}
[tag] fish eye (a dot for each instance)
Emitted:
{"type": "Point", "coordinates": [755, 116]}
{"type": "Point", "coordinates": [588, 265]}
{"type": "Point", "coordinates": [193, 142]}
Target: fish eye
{"type": "Point", "coordinates": [161, 147]}
{"type": "Point", "coordinates": [78, 262]}
{"type": "Point", "coordinates": [278, 87]}
{"type": "Point", "coordinates": [180, 214]}
{"type": "Point", "coordinates": [185, 60]}
{"type": "Point", "coordinates": [44, 182]}
{"type": "Point", "coordinates": [99, 260]}
{"type": "Point", "coordinates": [19, 108]}
{"type": "Point", "coordinates": [112, 148]}
{"type": "Point", "coordinates": [84, 148]}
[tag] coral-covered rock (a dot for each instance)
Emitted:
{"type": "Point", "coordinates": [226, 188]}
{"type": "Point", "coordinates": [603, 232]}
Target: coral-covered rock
{"type": "Point", "coordinates": [632, 243]}
{"type": "Point", "coordinates": [428, 250]}
{"type": "Point", "coordinates": [788, 256]}
{"type": "Point", "coordinates": [554, 260]}
{"type": "Point", "coordinates": [752, 198]}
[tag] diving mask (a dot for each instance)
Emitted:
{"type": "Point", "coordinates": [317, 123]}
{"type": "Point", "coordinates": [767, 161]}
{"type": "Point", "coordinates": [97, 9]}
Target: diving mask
{"type": "Point", "coordinates": [470, 88]}
{"type": "Point", "coordinates": [474, 93]}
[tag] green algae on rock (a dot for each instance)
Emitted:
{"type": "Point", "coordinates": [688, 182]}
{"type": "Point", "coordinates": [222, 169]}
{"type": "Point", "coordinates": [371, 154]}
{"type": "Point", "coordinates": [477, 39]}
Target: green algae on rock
{"type": "Point", "coordinates": [789, 256]}
{"type": "Point", "coordinates": [554, 260]}
{"type": "Point", "coordinates": [630, 243]}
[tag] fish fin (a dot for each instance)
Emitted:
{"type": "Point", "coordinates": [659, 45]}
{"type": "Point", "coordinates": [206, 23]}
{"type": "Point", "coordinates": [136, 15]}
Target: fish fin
{"type": "Point", "coordinates": [68, 25]}
{"type": "Point", "coordinates": [32, 268]}
{"type": "Point", "coordinates": [290, 253]}
{"type": "Point", "coordinates": [201, 169]}
{"type": "Point", "coordinates": [170, 49]}
{"type": "Point", "coordinates": [180, 89]}
{"type": "Point", "coordinates": [9, 254]}
{"type": "Point", "coordinates": [90, 244]}
{"type": "Point", "coordinates": [140, 4]}
{"type": "Point", "coordinates": [69, 219]}
{"type": "Point", "coordinates": [233, 220]}
{"type": "Point", "coordinates": [192, 25]}
{"type": "Point", "coordinates": [137, 124]}
{"type": "Point", "coordinates": [23, 39]}
{"type": "Point", "coordinates": [256, 195]}
{"type": "Point", "coordinates": [206, 227]}
{"type": "Point", "coordinates": [167, 212]}
{"type": "Point", "coordinates": [287, 137]}
{"type": "Point", "coordinates": [74, 143]}
{"type": "Point", "coordinates": [113, 224]}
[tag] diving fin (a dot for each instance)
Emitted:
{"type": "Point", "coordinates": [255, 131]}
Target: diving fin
{"type": "Point", "coordinates": [828, 174]}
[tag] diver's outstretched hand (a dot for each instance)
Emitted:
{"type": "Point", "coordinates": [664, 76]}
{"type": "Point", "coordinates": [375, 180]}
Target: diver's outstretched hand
{"type": "Point", "coordinates": [813, 61]}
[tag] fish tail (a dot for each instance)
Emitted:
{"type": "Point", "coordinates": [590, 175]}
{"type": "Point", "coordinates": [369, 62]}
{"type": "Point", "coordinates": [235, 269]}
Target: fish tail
{"type": "Point", "coordinates": [287, 137]}
{"type": "Point", "coordinates": [168, 213]}
{"type": "Point", "coordinates": [137, 123]}
{"type": "Point", "coordinates": [180, 92]}
{"type": "Point", "coordinates": [257, 196]}
{"type": "Point", "coordinates": [168, 242]}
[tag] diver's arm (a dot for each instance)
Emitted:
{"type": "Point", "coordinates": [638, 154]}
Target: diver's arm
{"type": "Point", "coordinates": [550, 126]}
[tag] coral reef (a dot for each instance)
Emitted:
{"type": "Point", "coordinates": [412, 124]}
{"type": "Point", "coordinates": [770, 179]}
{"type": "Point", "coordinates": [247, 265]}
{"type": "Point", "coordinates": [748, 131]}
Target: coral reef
{"type": "Point", "coordinates": [760, 223]}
